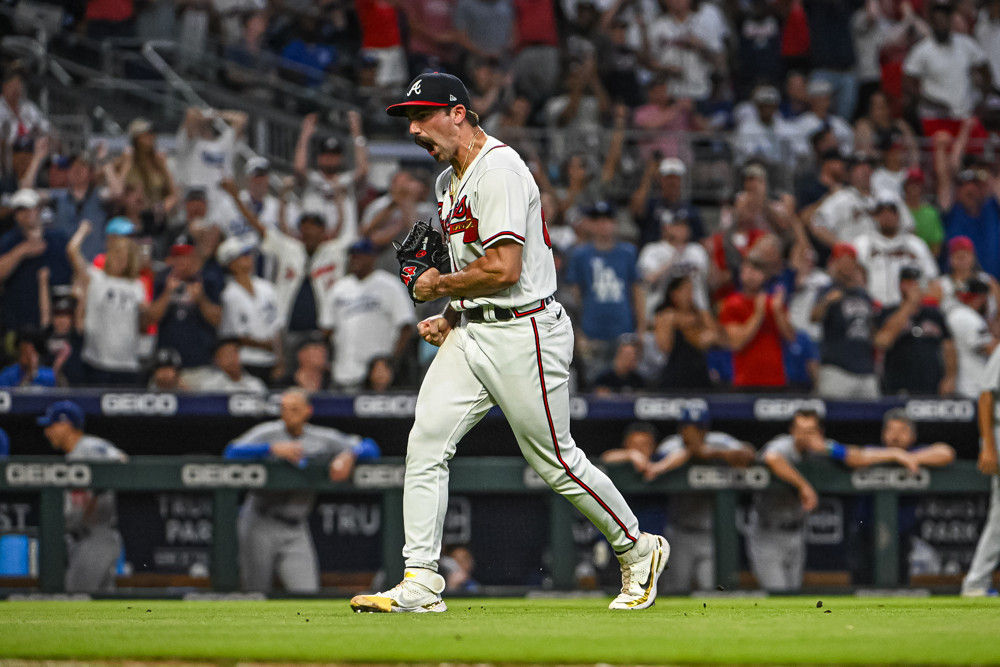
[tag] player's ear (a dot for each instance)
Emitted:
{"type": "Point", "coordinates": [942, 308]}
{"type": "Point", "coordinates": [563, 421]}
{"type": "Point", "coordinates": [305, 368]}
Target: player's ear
{"type": "Point", "coordinates": [458, 114]}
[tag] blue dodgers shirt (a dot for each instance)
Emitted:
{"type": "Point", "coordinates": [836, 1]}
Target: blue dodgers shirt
{"type": "Point", "coordinates": [984, 230]}
{"type": "Point", "coordinates": [605, 279]}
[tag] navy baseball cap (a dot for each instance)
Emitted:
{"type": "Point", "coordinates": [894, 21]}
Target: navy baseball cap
{"type": "Point", "coordinates": [600, 209]}
{"type": "Point", "coordinates": [363, 246]}
{"type": "Point", "coordinates": [694, 415]}
{"type": "Point", "coordinates": [62, 411]}
{"type": "Point", "coordinates": [434, 89]}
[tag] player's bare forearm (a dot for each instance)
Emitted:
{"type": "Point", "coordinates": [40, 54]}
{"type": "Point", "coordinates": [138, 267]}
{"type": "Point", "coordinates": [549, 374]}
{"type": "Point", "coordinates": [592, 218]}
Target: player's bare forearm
{"type": "Point", "coordinates": [938, 455]}
{"type": "Point", "coordinates": [495, 271]}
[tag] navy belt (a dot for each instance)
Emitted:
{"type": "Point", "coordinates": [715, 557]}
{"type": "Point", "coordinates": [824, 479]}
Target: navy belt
{"type": "Point", "coordinates": [497, 314]}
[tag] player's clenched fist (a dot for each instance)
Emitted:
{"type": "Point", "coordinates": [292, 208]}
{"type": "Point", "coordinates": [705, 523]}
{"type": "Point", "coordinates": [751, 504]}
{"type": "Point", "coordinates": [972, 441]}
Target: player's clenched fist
{"type": "Point", "coordinates": [434, 329]}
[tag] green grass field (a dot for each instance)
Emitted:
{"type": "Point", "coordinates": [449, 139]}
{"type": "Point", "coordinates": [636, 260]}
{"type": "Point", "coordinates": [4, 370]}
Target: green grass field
{"type": "Point", "coordinates": [676, 630]}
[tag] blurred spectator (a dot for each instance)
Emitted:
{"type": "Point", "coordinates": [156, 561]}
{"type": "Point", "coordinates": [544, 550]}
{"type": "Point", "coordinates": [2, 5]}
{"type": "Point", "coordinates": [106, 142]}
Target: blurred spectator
{"type": "Point", "coordinates": [145, 172]}
{"type": "Point", "coordinates": [883, 253]}
{"type": "Point", "coordinates": [820, 116]}
{"type": "Point", "coordinates": [371, 316]}
{"type": "Point", "coordinates": [227, 374]}
{"type": "Point", "coordinates": [758, 54]}
{"type": "Point", "coordinates": [686, 47]}
{"type": "Point", "coordinates": [813, 187]}
{"type": "Point", "coordinates": [693, 557]}
{"type": "Point", "coordinates": [248, 62]}
{"type": "Point", "coordinates": [987, 33]}
{"type": "Point", "coordinates": [846, 214]}
{"type": "Point", "coordinates": [206, 147]}
{"type": "Point", "coordinates": [115, 303]}
{"type": "Point", "coordinates": [270, 210]}
{"type": "Point", "coordinates": [166, 374]}
{"type": "Point", "coordinates": [489, 87]}
{"type": "Point", "coordinates": [331, 188]}
{"type": "Point", "coordinates": [870, 28]}
{"type": "Point", "coordinates": [755, 324]}
{"type": "Point", "coordinates": [944, 73]}
{"type": "Point", "coordinates": [28, 370]}
{"type": "Point", "coordinates": [312, 368]}
{"type": "Point", "coordinates": [485, 28]}
{"type": "Point", "coordinates": [64, 336]}
{"type": "Point", "coordinates": [962, 269]}
{"type": "Point", "coordinates": [618, 62]}
{"type": "Point", "coordinates": [20, 119]}
{"type": "Point", "coordinates": [728, 247]}
{"type": "Point", "coordinates": [926, 219]}
{"type": "Point", "coordinates": [382, 40]}
{"type": "Point", "coordinates": [974, 342]}
{"type": "Point", "coordinates": [81, 200]}
{"type": "Point", "coordinates": [831, 50]}
{"type": "Point", "coordinates": [899, 435]}
{"type": "Point", "coordinates": [809, 281]}
{"type": "Point", "coordinates": [623, 376]}
{"type": "Point", "coordinates": [665, 121]}
{"type": "Point", "coordinates": [457, 565]}
{"type": "Point", "coordinates": [579, 111]}
{"type": "Point", "coordinates": [968, 198]}
{"type": "Point", "coordinates": [273, 529]}
{"type": "Point", "coordinates": [796, 98]}
{"type": "Point", "coordinates": [186, 306]}
{"type": "Point", "coordinates": [92, 538]}
{"type": "Point", "coordinates": [250, 311]}
{"type": "Point", "coordinates": [801, 360]}
{"type": "Point", "coordinates": [432, 35]}
{"type": "Point", "coordinates": [647, 206]}
{"type": "Point", "coordinates": [764, 135]}
{"type": "Point", "coordinates": [899, 151]}
{"type": "Point", "coordinates": [25, 250]}
{"type": "Point", "coordinates": [879, 128]}
{"type": "Point", "coordinates": [381, 375]}
{"type": "Point", "coordinates": [847, 314]}
{"type": "Point", "coordinates": [683, 331]}
{"type": "Point", "coordinates": [306, 269]}
{"type": "Point", "coordinates": [390, 216]}
{"type": "Point", "coordinates": [674, 255]}
{"type": "Point", "coordinates": [776, 540]}
{"type": "Point", "coordinates": [604, 277]}
{"type": "Point", "coordinates": [919, 350]}
{"type": "Point", "coordinates": [308, 54]}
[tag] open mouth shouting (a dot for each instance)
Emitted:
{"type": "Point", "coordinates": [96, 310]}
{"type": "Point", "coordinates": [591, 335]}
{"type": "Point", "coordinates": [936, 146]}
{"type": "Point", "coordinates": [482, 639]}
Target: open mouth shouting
{"type": "Point", "coordinates": [427, 145]}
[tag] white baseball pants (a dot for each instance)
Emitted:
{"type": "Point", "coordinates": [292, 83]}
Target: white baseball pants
{"type": "Point", "coordinates": [522, 366]}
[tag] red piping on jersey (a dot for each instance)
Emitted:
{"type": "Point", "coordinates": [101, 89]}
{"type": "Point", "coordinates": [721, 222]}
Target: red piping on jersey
{"type": "Point", "coordinates": [540, 308]}
{"type": "Point", "coordinates": [498, 234]}
{"type": "Point", "coordinates": [555, 441]}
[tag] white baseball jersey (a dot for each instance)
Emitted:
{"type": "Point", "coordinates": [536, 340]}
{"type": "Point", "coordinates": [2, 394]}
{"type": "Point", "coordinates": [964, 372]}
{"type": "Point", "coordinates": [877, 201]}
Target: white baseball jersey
{"type": "Point", "coordinates": [691, 260]}
{"type": "Point", "coordinates": [972, 337]}
{"type": "Point", "coordinates": [366, 315]}
{"type": "Point", "coordinates": [111, 323]}
{"type": "Point", "coordinates": [497, 199]}
{"type": "Point", "coordinates": [251, 316]}
{"type": "Point", "coordinates": [884, 257]}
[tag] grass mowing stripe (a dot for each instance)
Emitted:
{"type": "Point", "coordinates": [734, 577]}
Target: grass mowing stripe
{"type": "Point", "coordinates": [856, 630]}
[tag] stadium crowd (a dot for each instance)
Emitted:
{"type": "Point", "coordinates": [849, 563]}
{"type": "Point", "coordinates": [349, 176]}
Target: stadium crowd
{"type": "Point", "coordinates": [857, 255]}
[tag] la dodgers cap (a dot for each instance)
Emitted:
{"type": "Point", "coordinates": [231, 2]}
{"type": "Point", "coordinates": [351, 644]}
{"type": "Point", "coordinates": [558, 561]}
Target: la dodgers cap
{"type": "Point", "coordinates": [434, 89]}
{"type": "Point", "coordinates": [62, 411]}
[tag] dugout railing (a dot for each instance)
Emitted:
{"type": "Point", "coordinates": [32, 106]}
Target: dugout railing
{"type": "Point", "coordinates": [226, 480]}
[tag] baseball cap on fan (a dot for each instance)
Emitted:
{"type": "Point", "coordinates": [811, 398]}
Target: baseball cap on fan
{"type": "Point", "coordinates": [434, 89]}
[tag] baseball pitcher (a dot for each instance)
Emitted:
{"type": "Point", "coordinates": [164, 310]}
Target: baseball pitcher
{"type": "Point", "coordinates": [504, 341]}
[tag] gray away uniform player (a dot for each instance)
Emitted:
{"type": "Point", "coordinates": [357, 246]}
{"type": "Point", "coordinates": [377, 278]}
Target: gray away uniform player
{"type": "Point", "coordinates": [273, 529]}
{"type": "Point", "coordinates": [693, 556]}
{"type": "Point", "coordinates": [92, 537]}
{"type": "Point", "coordinates": [503, 341]}
{"type": "Point", "coordinates": [978, 580]}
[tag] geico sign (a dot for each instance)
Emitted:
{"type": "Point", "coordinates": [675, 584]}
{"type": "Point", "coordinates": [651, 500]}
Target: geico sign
{"type": "Point", "coordinates": [666, 408]}
{"type": "Point", "coordinates": [718, 477]}
{"type": "Point", "coordinates": [949, 411]}
{"type": "Point", "coordinates": [782, 409]}
{"type": "Point", "coordinates": [47, 474]}
{"type": "Point", "coordinates": [139, 404]}
{"type": "Point", "coordinates": [5, 402]}
{"type": "Point", "coordinates": [224, 474]}
{"type": "Point", "coordinates": [385, 406]}
{"type": "Point", "coordinates": [378, 476]}
{"type": "Point", "coordinates": [249, 405]}
{"type": "Point", "coordinates": [889, 478]}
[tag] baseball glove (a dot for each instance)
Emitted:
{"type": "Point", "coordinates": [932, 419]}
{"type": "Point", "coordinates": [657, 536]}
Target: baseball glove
{"type": "Point", "coordinates": [422, 249]}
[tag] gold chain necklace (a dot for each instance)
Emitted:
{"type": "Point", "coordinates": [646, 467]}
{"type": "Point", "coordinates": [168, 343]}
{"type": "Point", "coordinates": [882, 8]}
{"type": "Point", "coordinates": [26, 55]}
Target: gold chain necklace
{"type": "Point", "coordinates": [455, 179]}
